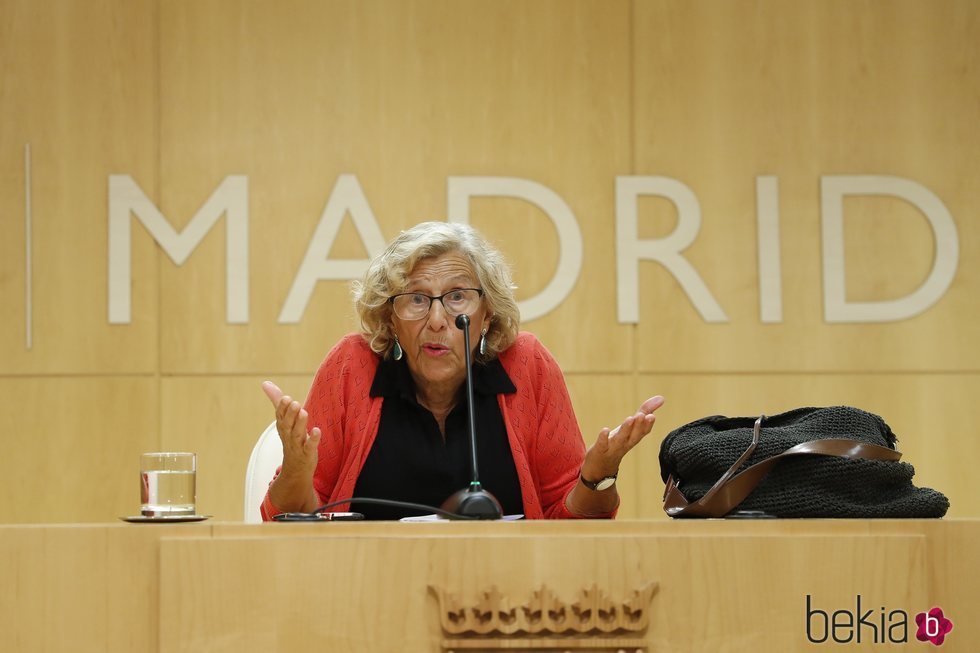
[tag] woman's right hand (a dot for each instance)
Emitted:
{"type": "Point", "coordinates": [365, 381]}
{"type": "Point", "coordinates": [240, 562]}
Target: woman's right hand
{"type": "Point", "coordinates": [299, 447]}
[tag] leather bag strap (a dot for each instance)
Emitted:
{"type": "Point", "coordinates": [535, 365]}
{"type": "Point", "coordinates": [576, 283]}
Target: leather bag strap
{"type": "Point", "coordinates": [731, 489]}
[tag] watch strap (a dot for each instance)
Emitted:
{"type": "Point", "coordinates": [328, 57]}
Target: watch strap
{"type": "Point", "coordinates": [602, 484]}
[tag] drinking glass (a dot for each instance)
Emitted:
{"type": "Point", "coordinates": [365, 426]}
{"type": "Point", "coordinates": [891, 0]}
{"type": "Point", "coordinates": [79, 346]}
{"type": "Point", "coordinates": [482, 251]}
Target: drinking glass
{"type": "Point", "coordinates": [168, 483]}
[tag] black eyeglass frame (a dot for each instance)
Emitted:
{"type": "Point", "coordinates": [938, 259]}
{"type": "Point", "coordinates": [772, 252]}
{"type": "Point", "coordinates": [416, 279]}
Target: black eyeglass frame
{"type": "Point", "coordinates": [431, 298]}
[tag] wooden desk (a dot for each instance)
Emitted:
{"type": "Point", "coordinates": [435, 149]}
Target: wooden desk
{"type": "Point", "coordinates": [722, 585]}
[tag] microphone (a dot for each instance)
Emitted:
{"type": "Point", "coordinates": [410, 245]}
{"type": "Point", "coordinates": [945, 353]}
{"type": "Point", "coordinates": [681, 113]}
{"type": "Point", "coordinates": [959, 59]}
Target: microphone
{"type": "Point", "coordinates": [473, 501]}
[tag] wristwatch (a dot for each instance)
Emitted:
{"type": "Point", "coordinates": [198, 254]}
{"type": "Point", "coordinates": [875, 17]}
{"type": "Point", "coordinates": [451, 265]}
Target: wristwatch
{"type": "Point", "coordinates": [600, 485]}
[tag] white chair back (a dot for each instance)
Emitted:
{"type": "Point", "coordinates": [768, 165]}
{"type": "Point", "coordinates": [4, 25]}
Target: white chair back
{"type": "Point", "coordinates": [266, 457]}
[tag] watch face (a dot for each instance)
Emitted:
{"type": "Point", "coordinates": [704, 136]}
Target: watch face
{"type": "Point", "coordinates": [605, 483]}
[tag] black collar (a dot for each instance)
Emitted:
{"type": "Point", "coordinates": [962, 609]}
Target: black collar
{"type": "Point", "coordinates": [393, 379]}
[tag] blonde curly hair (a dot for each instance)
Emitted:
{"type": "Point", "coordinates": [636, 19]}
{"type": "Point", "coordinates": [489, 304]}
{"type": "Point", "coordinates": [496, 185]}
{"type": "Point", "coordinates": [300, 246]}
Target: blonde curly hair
{"type": "Point", "coordinates": [389, 271]}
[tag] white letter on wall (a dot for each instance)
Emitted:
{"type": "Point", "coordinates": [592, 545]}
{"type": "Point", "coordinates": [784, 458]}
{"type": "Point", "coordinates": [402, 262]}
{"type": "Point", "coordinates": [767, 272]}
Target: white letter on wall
{"type": "Point", "coordinates": [229, 198]}
{"type": "Point", "coordinates": [836, 307]}
{"type": "Point", "coordinates": [666, 251]}
{"type": "Point", "coordinates": [770, 273]}
{"type": "Point", "coordinates": [346, 197]}
{"type": "Point", "coordinates": [461, 189]}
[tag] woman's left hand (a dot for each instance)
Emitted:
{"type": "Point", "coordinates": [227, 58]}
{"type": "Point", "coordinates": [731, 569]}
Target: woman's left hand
{"type": "Point", "coordinates": [603, 458]}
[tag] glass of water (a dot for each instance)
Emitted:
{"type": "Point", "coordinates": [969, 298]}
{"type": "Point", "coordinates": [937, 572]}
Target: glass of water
{"type": "Point", "coordinates": [168, 484]}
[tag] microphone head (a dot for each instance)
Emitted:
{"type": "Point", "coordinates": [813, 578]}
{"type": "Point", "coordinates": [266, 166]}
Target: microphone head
{"type": "Point", "coordinates": [462, 321]}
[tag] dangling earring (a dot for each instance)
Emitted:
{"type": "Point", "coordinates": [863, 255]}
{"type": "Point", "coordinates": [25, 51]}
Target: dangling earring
{"type": "Point", "coordinates": [483, 343]}
{"type": "Point", "coordinates": [396, 351]}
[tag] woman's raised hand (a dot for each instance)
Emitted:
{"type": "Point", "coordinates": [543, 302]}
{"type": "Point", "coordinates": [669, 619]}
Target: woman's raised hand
{"type": "Point", "coordinates": [603, 458]}
{"type": "Point", "coordinates": [299, 447]}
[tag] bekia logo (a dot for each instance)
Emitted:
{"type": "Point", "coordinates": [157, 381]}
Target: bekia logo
{"type": "Point", "coordinates": [881, 626]}
{"type": "Point", "coordinates": [933, 626]}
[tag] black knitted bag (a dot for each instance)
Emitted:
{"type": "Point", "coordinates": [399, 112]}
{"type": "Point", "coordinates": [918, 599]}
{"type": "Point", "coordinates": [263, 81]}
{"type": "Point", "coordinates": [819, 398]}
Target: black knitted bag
{"type": "Point", "coordinates": [837, 461]}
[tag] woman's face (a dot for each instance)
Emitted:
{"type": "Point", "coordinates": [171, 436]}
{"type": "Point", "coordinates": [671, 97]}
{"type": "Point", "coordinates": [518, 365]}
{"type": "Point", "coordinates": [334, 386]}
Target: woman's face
{"type": "Point", "coordinates": [433, 346]}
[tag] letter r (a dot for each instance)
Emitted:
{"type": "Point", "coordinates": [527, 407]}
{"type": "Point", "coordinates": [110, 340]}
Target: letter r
{"type": "Point", "coordinates": [630, 249]}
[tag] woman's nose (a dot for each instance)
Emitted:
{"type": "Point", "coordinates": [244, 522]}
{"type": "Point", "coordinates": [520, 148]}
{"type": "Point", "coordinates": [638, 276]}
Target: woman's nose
{"type": "Point", "coordinates": [439, 318]}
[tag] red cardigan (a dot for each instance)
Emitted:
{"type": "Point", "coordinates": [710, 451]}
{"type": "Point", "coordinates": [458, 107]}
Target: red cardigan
{"type": "Point", "coordinates": [544, 436]}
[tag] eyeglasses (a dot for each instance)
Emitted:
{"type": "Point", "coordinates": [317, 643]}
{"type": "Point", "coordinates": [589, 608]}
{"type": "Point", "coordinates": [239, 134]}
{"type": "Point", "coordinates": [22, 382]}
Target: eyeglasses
{"type": "Point", "coordinates": [416, 305]}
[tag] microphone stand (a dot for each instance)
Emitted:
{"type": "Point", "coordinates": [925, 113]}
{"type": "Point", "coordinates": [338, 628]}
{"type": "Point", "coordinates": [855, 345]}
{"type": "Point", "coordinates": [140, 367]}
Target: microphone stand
{"type": "Point", "coordinates": [473, 501]}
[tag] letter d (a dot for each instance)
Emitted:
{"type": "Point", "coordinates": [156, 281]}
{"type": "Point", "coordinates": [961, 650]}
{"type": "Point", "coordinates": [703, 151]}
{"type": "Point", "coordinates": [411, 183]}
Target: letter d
{"type": "Point", "coordinates": [833, 189]}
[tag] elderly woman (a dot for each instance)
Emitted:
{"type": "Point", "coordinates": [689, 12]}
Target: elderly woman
{"type": "Point", "coordinates": [386, 417]}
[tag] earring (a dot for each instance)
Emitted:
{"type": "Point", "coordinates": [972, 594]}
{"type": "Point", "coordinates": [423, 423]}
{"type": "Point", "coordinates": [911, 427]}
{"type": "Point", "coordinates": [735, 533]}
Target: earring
{"type": "Point", "coordinates": [483, 343]}
{"type": "Point", "coordinates": [396, 351]}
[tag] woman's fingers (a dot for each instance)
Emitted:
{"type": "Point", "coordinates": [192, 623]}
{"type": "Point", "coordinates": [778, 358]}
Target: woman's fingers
{"type": "Point", "coordinates": [282, 407]}
{"type": "Point", "coordinates": [290, 416]}
{"type": "Point", "coordinates": [299, 448]}
{"type": "Point", "coordinates": [313, 442]}
{"type": "Point", "coordinates": [272, 391]}
{"type": "Point", "coordinates": [624, 430]}
{"type": "Point", "coordinates": [292, 412]}
{"type": "Point", "coordinates": [293, 428]}
{"type": "Point", "coordinates": [651, 404]}
{"type": "Point", "coordinates": [605, 456]}
{"type": "Point", "coordinates": [639, 423]}
{"type": "Point", "coordinates": [299, 426]}
{"type": "Point", "coordinates": [602, 442]}
{"type": "Point", "coordinates": [628, 434]}
{"type": "Point", "coordinates": [291, 420]}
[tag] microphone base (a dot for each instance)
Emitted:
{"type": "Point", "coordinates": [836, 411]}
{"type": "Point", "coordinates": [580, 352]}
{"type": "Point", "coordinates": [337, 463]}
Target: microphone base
{"type": "Point", "coordinates": [473, 502]}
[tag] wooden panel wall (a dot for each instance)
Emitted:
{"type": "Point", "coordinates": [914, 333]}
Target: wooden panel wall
{"type": "Point", "coordinates": [403, 95]}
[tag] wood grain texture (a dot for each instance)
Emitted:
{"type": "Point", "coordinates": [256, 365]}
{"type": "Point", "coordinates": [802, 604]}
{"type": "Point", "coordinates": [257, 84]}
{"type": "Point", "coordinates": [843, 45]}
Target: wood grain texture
{"type": "Point", "coordinates": [82, 463]}
{"type": "Point", "coordinates": [82, 587]}
{"type": "Point", "coordinates": [77, 82]}
{"type": "Point", "coordinates": [230, 586]}
{"type": "Point", "coordinates": [389, 573]}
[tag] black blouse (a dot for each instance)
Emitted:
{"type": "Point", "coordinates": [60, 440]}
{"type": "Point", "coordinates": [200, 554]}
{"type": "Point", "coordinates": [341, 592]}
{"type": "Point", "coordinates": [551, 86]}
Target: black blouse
{"type": "Point", "coordinates": [410, 461]}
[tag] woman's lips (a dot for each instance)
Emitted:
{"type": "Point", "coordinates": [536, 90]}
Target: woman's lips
{"type": "Point", "coordinates": [435, 350]}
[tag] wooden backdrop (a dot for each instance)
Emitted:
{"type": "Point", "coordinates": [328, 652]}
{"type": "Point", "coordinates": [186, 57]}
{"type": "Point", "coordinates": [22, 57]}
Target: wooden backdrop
{"type": "Point", "coordinates": [180, 94]}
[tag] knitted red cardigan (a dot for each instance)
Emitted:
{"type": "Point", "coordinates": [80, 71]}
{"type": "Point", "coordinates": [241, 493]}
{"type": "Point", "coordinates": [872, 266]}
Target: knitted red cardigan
{"type": "Point", "coordinates": [544, 436]}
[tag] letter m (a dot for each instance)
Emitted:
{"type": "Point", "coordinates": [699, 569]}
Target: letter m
{"type": "Point", "coordinates": [229, 198]}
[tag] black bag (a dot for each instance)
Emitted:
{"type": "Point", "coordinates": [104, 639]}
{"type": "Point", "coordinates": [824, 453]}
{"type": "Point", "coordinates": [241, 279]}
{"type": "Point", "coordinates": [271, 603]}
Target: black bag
{"type": "Point", "coordinates": [809, 462]}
